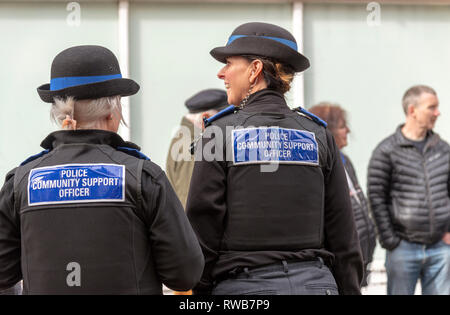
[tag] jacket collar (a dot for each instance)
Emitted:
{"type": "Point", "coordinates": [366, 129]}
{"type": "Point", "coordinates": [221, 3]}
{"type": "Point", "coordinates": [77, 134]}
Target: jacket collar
{"type": "Point", "coordinates": [432, 138]}
{"type": "Point", "coordinates": [266, 100]}
{"type": "Point", "coordinates": [87, 136]}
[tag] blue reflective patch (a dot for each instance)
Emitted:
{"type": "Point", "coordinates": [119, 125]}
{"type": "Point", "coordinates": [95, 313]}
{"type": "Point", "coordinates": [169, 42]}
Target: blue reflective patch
{"type": "Point", "coordinates": [73, 183]}
{"type": "Point", "coordinates": [274, 144]}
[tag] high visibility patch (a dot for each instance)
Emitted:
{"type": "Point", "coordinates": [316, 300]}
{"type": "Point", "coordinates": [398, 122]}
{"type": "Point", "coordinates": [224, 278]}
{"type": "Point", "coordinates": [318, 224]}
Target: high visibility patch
{"type": "Point", "coordinates": [74, 183]}
{"type": "Point", "coordinates": [274, 144]}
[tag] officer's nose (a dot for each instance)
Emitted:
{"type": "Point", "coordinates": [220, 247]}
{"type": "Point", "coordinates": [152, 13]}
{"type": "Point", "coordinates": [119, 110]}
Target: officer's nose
{"type": "Point", "coordinates": [221, 74]}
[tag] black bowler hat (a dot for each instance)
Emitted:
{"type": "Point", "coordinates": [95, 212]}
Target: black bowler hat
{"type": "Point", "coordinates": [265, 40]}
{"type": "Point", "coordinates": [86, 72]}
{"type": "Point", "coordinates": [206, 100]}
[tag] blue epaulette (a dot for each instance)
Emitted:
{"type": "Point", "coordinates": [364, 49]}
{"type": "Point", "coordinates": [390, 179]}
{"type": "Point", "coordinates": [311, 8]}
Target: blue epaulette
{"type": "Point", "coordinates": [34, 157]}
{"type": "Point", "coordinates": [207, 121]}
{"type": "Point", "coordinates": [133, 152]}
{"type": "Point", "coordinates": [343, 158]}
{"type": "Point", "coordinates": [311, 115]}
{"type": "Point", "coordinates": [226, 111]}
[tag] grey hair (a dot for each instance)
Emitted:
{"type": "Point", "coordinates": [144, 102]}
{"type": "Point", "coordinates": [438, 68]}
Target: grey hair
{"type": "Point", "coordinates": [413, 94]}
{"type": "Point", "coordinates": [87, 113]}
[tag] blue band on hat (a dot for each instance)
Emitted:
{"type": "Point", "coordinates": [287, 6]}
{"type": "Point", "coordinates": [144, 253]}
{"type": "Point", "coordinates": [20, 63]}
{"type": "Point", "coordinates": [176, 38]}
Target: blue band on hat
{"type": "Point", "coordinates": [65, 82]}
{"type": "Point", "coordinates": [286, 42]}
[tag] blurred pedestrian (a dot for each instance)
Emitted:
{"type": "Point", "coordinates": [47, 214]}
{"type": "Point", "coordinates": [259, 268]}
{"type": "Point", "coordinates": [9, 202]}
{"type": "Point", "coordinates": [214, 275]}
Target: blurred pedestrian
{"type": "Point", "coordinates": [180, 162]}
{"type": "Point", "coordinates": [336, 119]}
{"type": "Point", "coordinates": [91, 214]}
{"type": "Point", "coordinates": [268, 196]}
{"type": "Point", "coordinates": [408, 188]}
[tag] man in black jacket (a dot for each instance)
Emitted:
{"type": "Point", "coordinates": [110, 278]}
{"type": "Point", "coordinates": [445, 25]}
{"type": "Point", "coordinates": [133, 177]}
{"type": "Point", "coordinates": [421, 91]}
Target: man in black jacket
{"type": "Point", "coordinates": [409, 188]}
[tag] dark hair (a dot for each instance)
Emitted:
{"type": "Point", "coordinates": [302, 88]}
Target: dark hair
{"type": "Point", "coordinates": [331, 113]}
{"type": "Point", "coordinates": [277, 75]}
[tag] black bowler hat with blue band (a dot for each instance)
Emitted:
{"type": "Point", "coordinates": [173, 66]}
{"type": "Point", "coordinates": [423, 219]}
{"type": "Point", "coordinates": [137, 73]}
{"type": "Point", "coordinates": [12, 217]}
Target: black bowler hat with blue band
{"type": "Point", "coordinates": [265, 40]}
{"type": "Point", "coordinates": [86, 72]}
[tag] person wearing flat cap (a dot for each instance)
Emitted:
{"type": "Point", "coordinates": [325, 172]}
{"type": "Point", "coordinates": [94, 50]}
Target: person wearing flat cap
{"type": "Point", "coordinates": [180, 163]}
{"type": "Point", "coordinates": [91, 214]}
{"type": "Point", "coordinates": [268, 197]}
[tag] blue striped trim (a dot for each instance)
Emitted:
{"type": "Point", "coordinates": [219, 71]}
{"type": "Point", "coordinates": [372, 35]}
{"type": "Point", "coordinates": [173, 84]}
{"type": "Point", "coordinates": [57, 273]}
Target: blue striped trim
{"type": "Point", "coordinates": [317, 119]}
{"type": "Point", "coordinates": [343, 158]}
{"type": "Point", "coordinates": [65, 82]}
{"type": "Point", "coordinates": [133, 152]}
{"type": "Point", "coordinates": [284, 41]}
{"type": "Point", "coordinates": [34, 157]}
{"type": "Point", "coordinates": [230, 109]}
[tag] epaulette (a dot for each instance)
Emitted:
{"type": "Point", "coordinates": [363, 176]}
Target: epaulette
{"type": "Point", "coordinates": [224, 112]}
{"type": "Point", "coordinates": [34, 157]}
{"type": "Point", "coordinates": [344, 161]}
{"type": "Point", "coordinates": [133, 152]}
{"type": "Point", "coordinates": [311, 116]}
{"type": "Point", "coordinates": [208, 121]}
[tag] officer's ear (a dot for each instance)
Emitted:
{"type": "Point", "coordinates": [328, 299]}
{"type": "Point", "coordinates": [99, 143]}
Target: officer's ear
{"type": "Point", "coordinates": [256, 68]}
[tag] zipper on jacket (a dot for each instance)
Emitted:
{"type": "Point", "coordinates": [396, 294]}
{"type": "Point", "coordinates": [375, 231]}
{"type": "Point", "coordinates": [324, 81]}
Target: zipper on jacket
{"type": "Point", "coordinates": [431, 214]}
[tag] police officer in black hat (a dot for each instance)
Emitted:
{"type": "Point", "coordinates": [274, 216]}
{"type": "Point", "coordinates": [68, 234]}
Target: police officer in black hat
{"type": "Point", "coordinates": [269, 199]}
{"type": "Point", "coordinates": [180, 163]}
{"type": "Point", "coordinates": [91, 214]}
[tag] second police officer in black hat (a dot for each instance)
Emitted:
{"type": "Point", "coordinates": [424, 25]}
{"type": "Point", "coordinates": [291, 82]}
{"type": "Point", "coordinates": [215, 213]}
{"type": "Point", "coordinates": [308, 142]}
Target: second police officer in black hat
{"type": "Point", "coordinates": [91, 214]}
{"type": "Point", "coordinates": [269, 197]}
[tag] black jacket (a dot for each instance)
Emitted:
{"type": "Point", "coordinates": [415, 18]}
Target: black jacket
{"type": "Point", "coordinates": [363, 221]}
{"type": "Point", "coordinates": [247, 218]}
{"type": "Point", "coordinates": [127, 245]}
{"type": "Point", "coordinates": [409, 190]}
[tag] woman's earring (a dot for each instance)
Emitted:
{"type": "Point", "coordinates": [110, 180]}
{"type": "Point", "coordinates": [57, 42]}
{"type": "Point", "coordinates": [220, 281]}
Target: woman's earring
{"type": "Point", "coordinates": [245, 99]}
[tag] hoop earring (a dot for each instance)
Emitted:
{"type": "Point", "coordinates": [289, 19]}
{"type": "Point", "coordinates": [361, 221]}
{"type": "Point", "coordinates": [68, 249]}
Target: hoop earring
{"type": "Point", "coordinates": [245, 99]}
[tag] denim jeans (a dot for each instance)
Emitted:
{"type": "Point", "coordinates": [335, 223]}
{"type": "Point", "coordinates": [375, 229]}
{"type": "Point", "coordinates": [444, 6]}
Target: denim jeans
{"type": "Point", "coordinates": [410, 262]}
{"type": "Point", "coordinates": [283, 278]}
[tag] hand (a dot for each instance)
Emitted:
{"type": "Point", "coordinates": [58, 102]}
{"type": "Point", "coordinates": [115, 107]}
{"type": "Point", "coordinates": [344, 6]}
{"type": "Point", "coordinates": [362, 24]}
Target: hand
{"type": "Point", "coordinates": [446, 238]}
